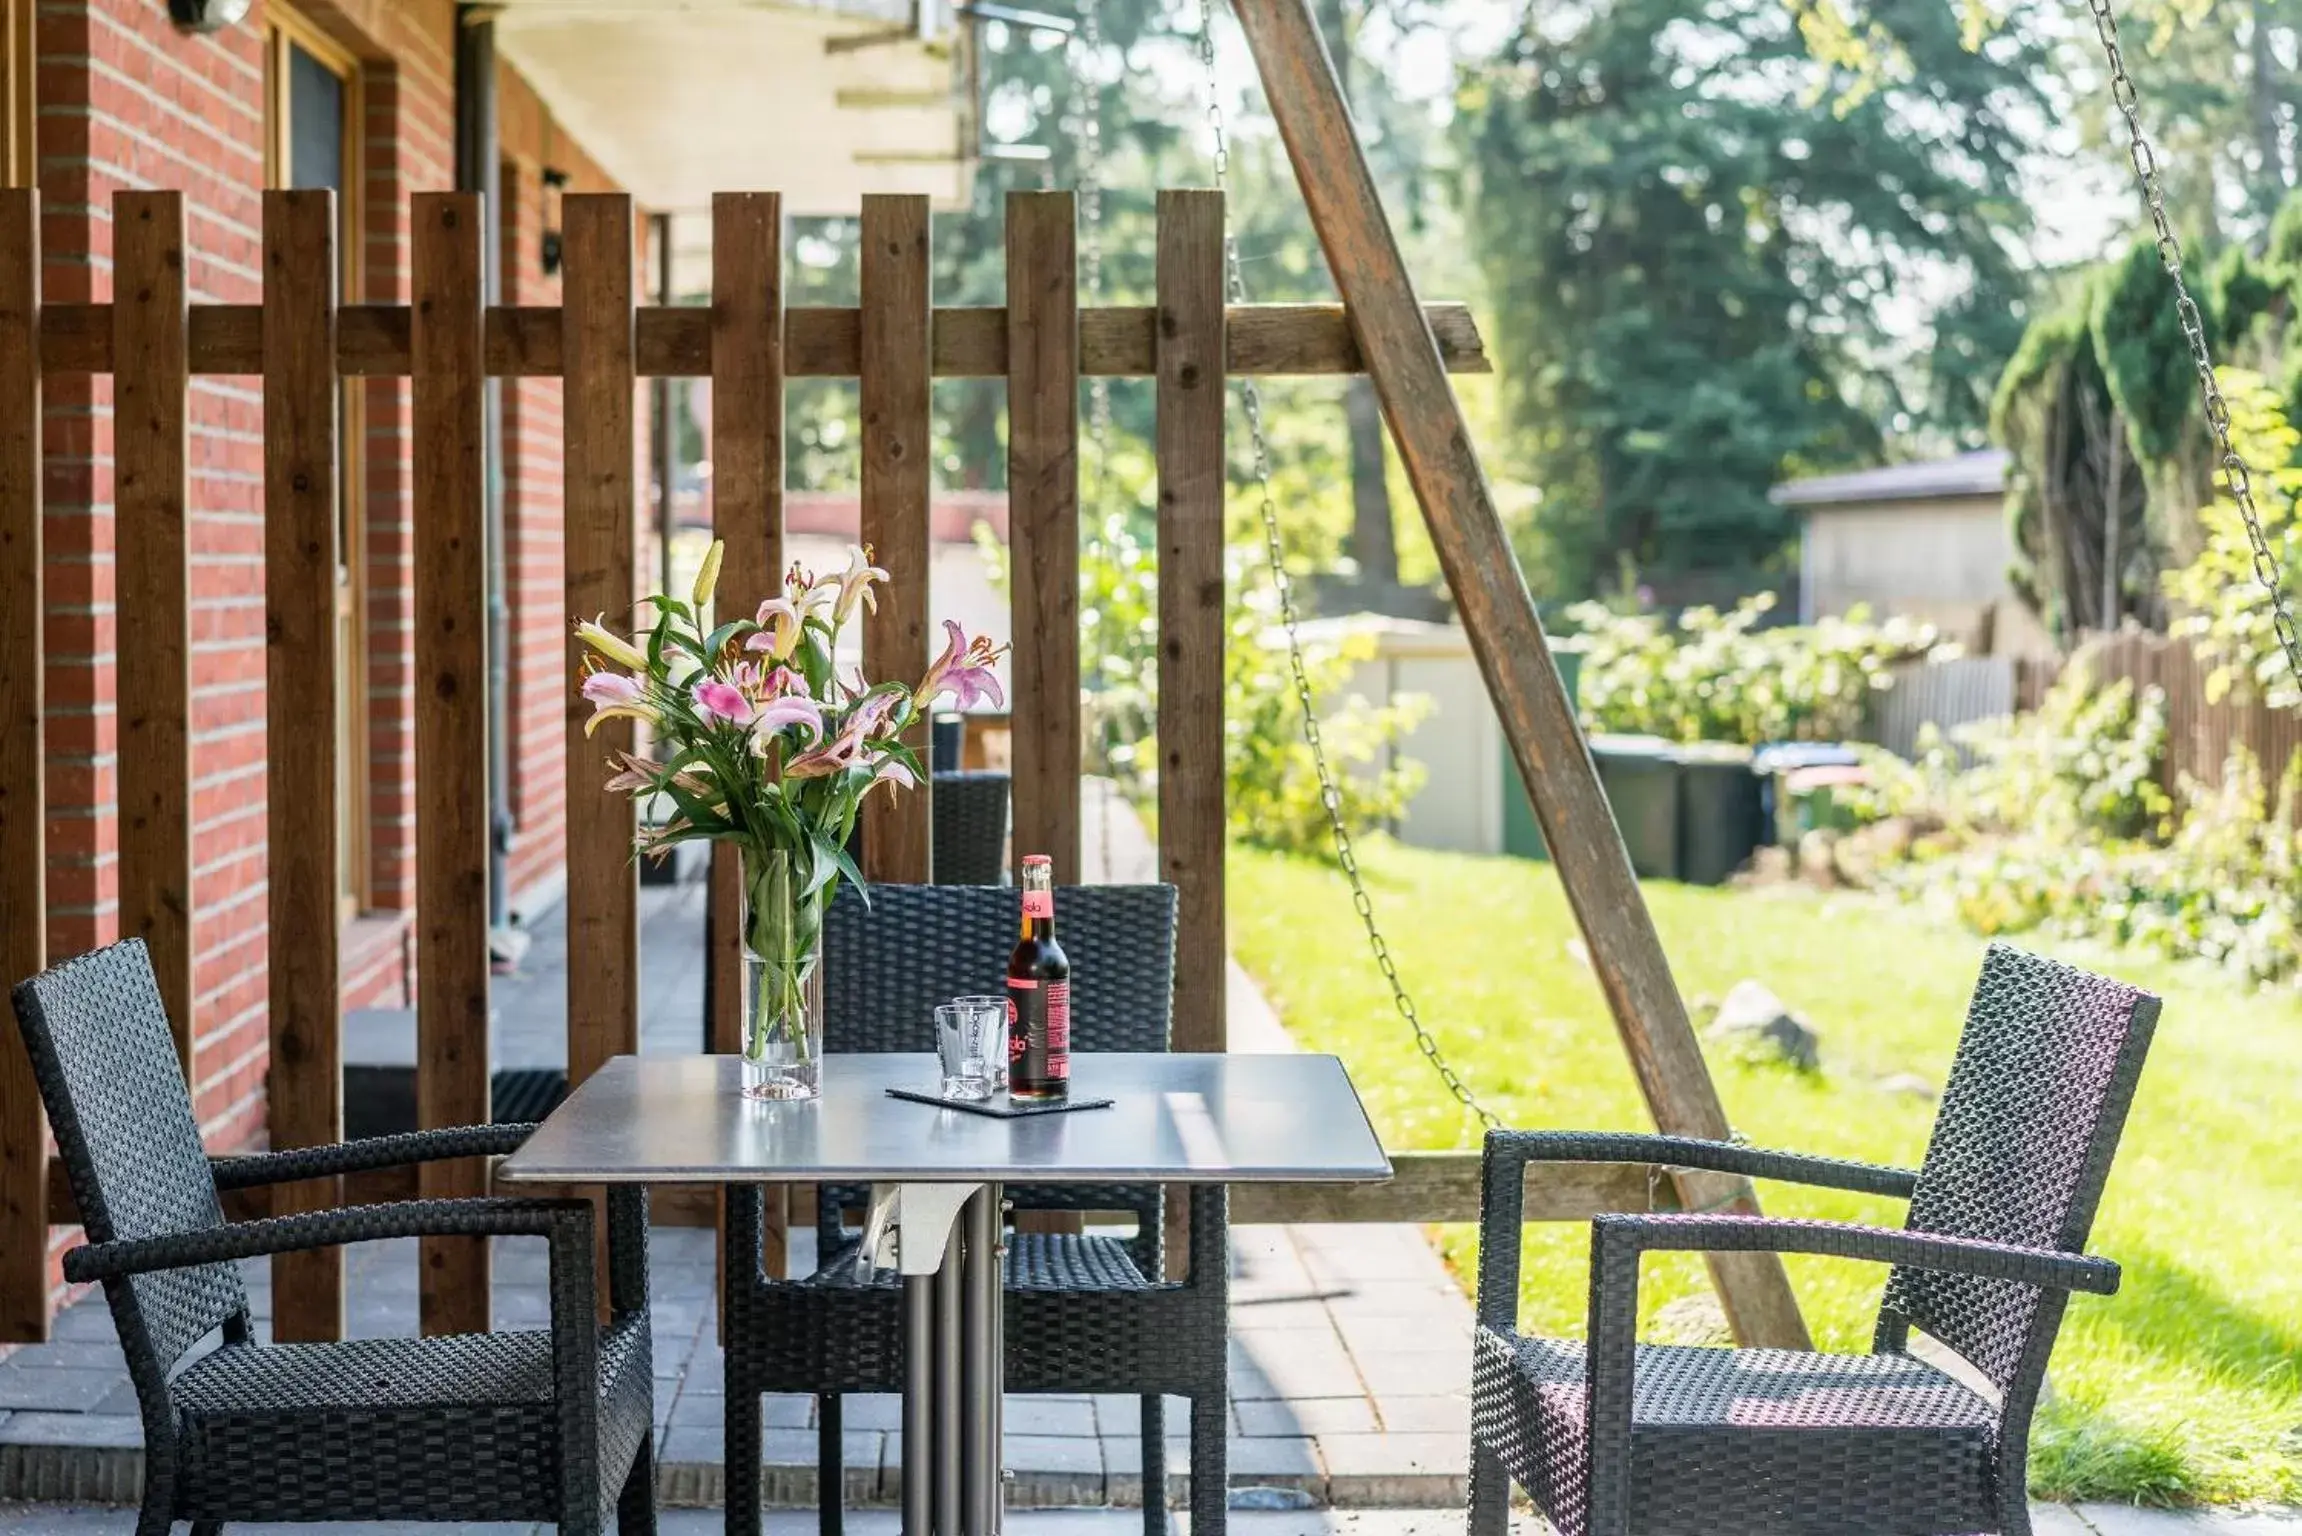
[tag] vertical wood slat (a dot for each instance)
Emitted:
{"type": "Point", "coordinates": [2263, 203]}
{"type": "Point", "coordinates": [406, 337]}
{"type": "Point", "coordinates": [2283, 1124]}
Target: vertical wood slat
{"type": "Point", "coordinates": [304, 1089]}
{"type": "Point", "coordinates": [596, 296]}
{"type": "Point", "coordinates": [746, 512]}
{"type": "Point", "coordinates": [1043, 522]}
{"type": "Point", "coordinates": [152, 590]}
{"type": "Point", "coordinates": [1442, 464]}
{"type": "Point", "coordinates": [897, 454]}
{"type": "Point", "coordinates": [450, 514]}
{"type": "Point", "coordinates": [1190, 344]}
{"type": "Point", "coordinates": [23, 771]}
{"type": "Point", "coordinates": [1189, 447]}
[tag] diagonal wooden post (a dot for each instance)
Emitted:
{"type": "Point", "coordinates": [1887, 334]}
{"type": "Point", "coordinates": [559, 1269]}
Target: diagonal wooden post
{"type": "Point", "coordinates": [1402, 357]}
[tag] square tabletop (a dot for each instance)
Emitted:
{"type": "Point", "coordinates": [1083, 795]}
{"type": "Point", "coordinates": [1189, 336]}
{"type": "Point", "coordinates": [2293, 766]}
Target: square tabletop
{"type": "Point", "coordinates": [1181, 1118]}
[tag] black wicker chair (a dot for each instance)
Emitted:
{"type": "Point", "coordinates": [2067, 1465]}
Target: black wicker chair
{"type": "Point", "coordinates": [970, 843]}
{"type": "Point", "coordinates": [1084, 1313]}
{"type": "Point", "coordinates": [1625, 1438]}
{"type": "Point", "coordinates": [496, 1426]}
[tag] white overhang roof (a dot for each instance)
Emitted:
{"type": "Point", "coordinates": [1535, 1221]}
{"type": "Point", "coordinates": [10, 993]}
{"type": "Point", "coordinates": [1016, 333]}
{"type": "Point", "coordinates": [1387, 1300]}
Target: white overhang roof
{"type": "Point", "coordinates": [678, 99]}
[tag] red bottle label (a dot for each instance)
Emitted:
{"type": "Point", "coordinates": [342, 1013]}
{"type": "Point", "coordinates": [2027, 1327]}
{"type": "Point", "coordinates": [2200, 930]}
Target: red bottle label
{"type": "Point", "coordinates": [1038, 1034]}
{"type": "Point", "coordinates": [1039, 904]}
{"type": "Point", "coordinates": [1059, 1029]}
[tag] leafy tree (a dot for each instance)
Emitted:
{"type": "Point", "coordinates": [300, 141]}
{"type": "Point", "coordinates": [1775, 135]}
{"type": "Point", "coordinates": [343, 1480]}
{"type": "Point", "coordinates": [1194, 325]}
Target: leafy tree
{"type": "Point", "coordinates": [1689, 242]}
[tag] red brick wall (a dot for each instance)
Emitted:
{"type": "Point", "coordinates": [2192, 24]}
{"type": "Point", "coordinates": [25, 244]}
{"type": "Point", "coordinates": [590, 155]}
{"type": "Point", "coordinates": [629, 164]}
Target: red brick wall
{"type": "Point", "coordinates": [125, 101]}
{"type": "Point", "coordinates": [531, 143]}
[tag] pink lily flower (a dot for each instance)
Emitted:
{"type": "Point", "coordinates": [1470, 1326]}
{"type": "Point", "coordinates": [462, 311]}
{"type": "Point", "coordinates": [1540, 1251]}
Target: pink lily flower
{"type": "Point", "coordinates": [853, 584]}
{"type": "Point", "coordinates": [844, 750]}
{"type": "Point", "coordinates": [606, 688]}
{"type": "Point", "coordinates": [779, 621]}
{"type": "Point", "coordinates": [790, 709]}
{"type": "Point", "coordinates": [614, 696]}
{"type": "Point", "coordinates": [716, 700]}
{"type": "Point", "coordinates": [896, 772]}
{"type": "Point", "coordinates": [963, 670]}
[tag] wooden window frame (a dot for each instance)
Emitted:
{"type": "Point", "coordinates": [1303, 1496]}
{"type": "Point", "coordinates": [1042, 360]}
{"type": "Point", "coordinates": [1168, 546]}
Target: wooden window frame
{"type": "Point", "coordinates": [286, 29]}
{"type": "Point", "coordinates": [21, 150]}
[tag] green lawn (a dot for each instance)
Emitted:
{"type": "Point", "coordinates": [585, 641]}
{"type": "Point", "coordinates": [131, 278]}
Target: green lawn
{"type": "Point", "coordinates": [2186, 1387]}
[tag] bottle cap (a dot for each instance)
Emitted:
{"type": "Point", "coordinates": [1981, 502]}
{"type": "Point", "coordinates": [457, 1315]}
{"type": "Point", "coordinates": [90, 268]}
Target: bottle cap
{"type": "Point", "coordinates": [1030, 859]}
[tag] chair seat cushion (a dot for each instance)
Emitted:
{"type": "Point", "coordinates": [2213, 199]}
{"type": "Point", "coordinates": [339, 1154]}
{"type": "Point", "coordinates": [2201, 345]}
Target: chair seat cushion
{"type": "Point", "coordinates": [459, 1427]}
{"type": "Point", "coordinates": [1036, 1261]}
{"type": "Point", "coordinates": [1760, 1440]}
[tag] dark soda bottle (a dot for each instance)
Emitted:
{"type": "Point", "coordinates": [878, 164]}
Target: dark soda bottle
{"type": "Point", "coordinates": [1038, 994]}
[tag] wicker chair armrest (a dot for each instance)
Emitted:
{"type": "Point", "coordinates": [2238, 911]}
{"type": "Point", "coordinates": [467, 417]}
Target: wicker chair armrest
{"type": "Point", "coordinates": [556, 1219]}
{"type": "Point", "coordinates": [1711, 1156]}
{"type": "Point", "coordinates": [1503, 1166]}
{"type": "Point", "coordinates": [249, 1170]}
{"type": "Point", "coordinates": [2051, 1268]}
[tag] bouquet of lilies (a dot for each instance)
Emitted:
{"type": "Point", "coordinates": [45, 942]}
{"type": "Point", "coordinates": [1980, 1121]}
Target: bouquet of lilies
{"type": "Point", "coordinates": [757, 740]}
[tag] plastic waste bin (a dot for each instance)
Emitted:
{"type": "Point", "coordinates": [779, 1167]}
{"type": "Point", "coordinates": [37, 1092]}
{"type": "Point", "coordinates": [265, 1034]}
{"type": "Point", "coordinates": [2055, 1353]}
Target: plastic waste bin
{"type": "Point", "coordinates": [1640, 775]}
{"type": "Point", "coordinates": [1522, 834]}
{"type": "Point", "coordinates": [1783, 816]}
{"type": "Point", "coordinates": [1721, 819]}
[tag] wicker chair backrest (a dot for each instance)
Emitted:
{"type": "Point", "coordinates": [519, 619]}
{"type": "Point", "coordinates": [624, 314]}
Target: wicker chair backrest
{"type": "Point", "coordinates": [886, 966]}
{"type": "Point", "coordinates": [106, 1064]}
{"type": "Point", "coordinates": [2030, 1119]}
{"type": "Point", "coordinates": [970, 827]}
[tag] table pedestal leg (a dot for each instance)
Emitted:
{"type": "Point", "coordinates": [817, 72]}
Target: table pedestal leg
{"type": "Point", "coordinates": [918, 1404]}
{"type": "Point", "coordinates": [953, 1359]}
{"type": "Point", "coordinates": [951, 1466]}
{"type": "Point", "coordinates": [982, 1364]}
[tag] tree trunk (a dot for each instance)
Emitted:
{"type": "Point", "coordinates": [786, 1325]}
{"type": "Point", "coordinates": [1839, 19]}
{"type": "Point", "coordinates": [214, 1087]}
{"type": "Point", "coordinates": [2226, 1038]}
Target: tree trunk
{"type": "Point", "coordinates": [2265, 88]}
{"type": "Point", "coordinates": [1373, 542]}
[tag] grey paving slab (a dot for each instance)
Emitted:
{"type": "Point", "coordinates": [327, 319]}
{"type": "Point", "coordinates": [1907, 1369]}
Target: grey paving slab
{"type": "Point", "coordinates": [1416, 1371]}
{"type": "Point", "coordinates": [106, 1431]}
{"type": "Point", "coordinates": [2127, 1520]}
{"type": "Point", "coordinates": [1272, 1373]}
{"type": "Point", "coordinates": [67, 1389]}
{"type": "Point", "coordinates": [1287, 1418]}
{"type": "Point", "coordinates": [1449, 1413]}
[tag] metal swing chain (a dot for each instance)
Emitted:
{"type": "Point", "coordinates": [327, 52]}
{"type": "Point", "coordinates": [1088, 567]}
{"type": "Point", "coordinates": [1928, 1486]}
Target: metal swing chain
{"type": "Point", "coordinates": [1267, 509]}
{"type": "Point", "coordinates": [2267, 567]}
{"type": "Point", "coordinates": [1086, 43]}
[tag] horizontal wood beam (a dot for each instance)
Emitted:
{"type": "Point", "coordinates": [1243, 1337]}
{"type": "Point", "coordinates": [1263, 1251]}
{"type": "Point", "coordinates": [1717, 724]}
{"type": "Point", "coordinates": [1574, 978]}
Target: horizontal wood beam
{"type": "Point", "coordinates": [669, 1205]}
{"type": "Point", "coordinates": [375, 341]}
{"type": "Point", "coordinates": [1437, 1187]}
{"type": "Point", "coordinates": [1443, 1187]}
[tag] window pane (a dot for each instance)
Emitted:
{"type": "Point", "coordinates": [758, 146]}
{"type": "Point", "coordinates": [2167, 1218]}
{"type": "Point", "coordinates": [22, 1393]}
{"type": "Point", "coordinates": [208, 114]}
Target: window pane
{"type": "Point", "coordinates": [315, 123]}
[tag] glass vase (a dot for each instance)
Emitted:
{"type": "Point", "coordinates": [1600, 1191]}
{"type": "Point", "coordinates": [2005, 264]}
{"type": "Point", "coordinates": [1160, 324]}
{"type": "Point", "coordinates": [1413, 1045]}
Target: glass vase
{"type": "Point", "coordinates": [782, 982]}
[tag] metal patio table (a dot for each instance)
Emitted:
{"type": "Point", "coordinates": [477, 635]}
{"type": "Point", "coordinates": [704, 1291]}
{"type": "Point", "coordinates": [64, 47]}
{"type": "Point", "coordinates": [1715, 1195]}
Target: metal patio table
{"type": "Point", "coordinates": [936, 1177]}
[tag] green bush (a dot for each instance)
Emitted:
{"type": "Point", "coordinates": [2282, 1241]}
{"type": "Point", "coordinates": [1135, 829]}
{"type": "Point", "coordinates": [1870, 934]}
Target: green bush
{"type": "Point", "coordinates": [1272, 784]}
{"type": "Point", "coordinates": [2222, 607]}
{"type": "Point", "coordinates": [2059, 825]}
{"type": "Point", "coordinates": [1275, 800]}
{"type": "Point", "coordinates": [1720, 677]}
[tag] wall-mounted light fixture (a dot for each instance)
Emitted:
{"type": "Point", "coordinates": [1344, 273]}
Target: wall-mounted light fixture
{"type": "Point", "coordinates": [555, 182]}
{"type": "Point", "coordinates": [207, 15]}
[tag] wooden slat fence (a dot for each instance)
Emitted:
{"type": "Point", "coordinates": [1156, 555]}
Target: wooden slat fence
{"type": "Point", "coordinates": [1943, 694]}
{"type": "Point", "coordinates": [2199, 734]}
{"type": "Point", "coordinates": [302, 341]}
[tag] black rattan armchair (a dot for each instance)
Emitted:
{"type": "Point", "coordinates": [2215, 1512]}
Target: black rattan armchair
{"type": "Point", "coordinates": [1085, 1313]}
{"type": "Point", "coordinates": [497, 1426]}
{"type": "Point", "coordinates": [1624, 1438]}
